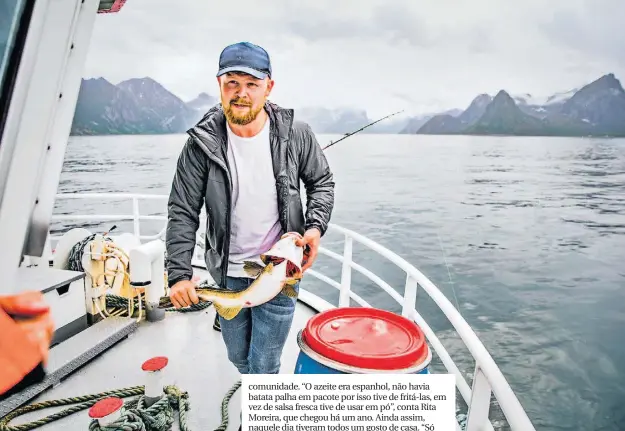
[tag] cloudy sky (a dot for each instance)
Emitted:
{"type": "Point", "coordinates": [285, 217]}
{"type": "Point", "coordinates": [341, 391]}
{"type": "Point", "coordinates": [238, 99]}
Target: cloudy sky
{"type": "Point", "coordinates": [381, 56]}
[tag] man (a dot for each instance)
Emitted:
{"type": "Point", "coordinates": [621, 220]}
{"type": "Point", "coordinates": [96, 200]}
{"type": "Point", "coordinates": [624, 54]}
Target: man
{"type": "Point", "coordinates": [244, 162]}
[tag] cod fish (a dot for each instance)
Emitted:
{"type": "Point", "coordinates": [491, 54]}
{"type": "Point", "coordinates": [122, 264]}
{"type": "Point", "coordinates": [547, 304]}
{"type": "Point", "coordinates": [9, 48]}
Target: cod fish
{"type": "Point", "coordinates": [283, 270]}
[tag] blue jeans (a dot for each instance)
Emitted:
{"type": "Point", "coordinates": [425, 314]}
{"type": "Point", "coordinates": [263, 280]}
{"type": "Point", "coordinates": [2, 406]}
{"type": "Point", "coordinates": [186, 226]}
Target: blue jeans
{"type": "Point", "coordinates": [255, 338]}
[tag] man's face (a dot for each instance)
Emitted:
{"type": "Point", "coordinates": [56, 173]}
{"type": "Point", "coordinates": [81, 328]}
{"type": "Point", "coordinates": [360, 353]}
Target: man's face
{"type": "Point", "coordinates": [243, 96]}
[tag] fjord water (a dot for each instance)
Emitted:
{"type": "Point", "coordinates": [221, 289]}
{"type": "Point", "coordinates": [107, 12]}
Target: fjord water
{"type": "Point", "coordinates": [525, 236]}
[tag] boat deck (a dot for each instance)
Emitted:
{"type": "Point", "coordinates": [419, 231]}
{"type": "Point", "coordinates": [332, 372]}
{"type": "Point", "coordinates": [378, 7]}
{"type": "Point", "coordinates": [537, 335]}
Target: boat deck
{"type": "Point", "coordinates": [198, 364]}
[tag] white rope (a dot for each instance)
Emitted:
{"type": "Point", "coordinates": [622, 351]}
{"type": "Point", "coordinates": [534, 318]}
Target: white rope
{"type": "Point", "coordinates": [110, 251]}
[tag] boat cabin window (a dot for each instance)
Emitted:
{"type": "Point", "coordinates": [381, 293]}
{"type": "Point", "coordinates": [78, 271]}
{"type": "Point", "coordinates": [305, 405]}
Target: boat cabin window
{"type": "Point", "coordinates": [14, 20]}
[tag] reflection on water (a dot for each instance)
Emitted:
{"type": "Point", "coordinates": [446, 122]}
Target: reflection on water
{"type": "Point", "coordinates": [524, 235]}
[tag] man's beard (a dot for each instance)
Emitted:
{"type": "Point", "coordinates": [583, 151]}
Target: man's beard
{"type": "Point", "coordinates": [240, 118]}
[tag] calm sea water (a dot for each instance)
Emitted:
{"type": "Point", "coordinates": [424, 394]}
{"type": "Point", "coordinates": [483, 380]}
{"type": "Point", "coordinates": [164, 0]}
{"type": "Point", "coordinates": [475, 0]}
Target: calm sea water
{"type": "Point", "coordinates": [525, 236]}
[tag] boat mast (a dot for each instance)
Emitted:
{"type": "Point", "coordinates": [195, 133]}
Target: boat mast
{"type": "Point", "coordinates": [38, 123]}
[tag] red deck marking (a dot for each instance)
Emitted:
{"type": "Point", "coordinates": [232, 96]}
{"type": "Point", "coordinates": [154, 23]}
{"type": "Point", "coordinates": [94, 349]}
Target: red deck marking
{"type": "Point", "coordinates": [155, 364]}
{"type": "Point", "coordinates": [105, 407]}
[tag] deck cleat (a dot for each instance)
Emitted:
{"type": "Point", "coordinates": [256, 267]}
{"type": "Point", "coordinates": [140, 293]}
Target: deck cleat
{"type": "Point", "coordinates": [107, 410]}
{"type": "Point", "coordinates": [154, 378]}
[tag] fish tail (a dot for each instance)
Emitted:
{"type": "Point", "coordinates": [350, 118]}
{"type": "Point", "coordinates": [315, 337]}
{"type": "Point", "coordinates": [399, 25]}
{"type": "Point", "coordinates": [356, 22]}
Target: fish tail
{"type": "Point", "coordinates": [216, 296]}
{"type": "Point", "coordinates": [227, 313]}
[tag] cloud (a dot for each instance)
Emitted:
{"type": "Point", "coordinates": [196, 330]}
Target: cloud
{"type": "Point", "coordinates": [593, 30]}
{"type": "Point", "coordinates": [393, 23]}
{"type": "Point", "coordinates": [433, 55]}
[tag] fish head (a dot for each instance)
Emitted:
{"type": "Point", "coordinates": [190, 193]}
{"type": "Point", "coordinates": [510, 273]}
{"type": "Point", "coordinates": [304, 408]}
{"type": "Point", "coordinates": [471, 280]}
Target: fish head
{"type": "Point", "coordinates": [286, 249]}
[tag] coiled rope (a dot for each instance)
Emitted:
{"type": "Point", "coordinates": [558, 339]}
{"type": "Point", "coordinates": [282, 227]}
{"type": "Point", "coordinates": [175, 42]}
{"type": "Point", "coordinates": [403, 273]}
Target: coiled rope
{"type": "Point", "coordinates": [117, 305]}
{"type": "Point", "coordinates": [75, 263]}
{"type": "Point", "coordinates": [74, 260]}
{"type": "Point", "coordinates": [120, 305]}
{"type": "Point", "coordinates": [135, 415]}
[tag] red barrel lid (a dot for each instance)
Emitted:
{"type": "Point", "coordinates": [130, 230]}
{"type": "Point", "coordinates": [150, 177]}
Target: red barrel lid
{"type": "Point", "coordinates": [366, 338]}
{"type": "Point", "coordinates": [155, 364]}
{"type": "Point", "coordinates": [105, 407]}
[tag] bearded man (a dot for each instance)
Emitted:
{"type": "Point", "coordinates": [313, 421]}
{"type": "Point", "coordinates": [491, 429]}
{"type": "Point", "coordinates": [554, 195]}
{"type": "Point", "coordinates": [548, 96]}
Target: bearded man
{"type": "Point", "coordinates": [244, 162]}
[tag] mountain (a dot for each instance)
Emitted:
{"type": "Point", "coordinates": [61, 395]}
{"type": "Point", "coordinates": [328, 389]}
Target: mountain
{"type": "Point", "coordinates": [143, 106]}
{"type": "Point", "coordinates": [503, 117]}
{"type": "Point", "coordinates": [170, 113]}
{"type": "Point", "coordinates": [332, 121]}
{"type": "Point", "coordinates": [103, 108]}
{"type": "Point", "coordinates": [600, 104]}
{"type": "Point", "coordinates": [135, 106]}
{"type": "Point", "coordinates": [203, 102]}
{"type": "Point", "coordinates": [596, 109]}
{"type": "Point", "coordinates": [441, 124]}
{"type": "Point", "coordinates": [448, 123]}
{"type": "Point", "coordinates": [476, 109]}
{"type": "Point", "coordinates": [415, 123]}
{"type": "Point", "coordinates": [391, 125]}
{"type": "Point", "coordinates": [541, 107]}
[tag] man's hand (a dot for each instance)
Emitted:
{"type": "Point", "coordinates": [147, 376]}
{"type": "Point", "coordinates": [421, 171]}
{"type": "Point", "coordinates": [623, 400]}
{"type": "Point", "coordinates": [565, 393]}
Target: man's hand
{"type": "Point", "coordinates": [182, 294]}
{"type": "Point", "coordinates": [32, 314]}
{"type": "Point", "coordinates": [310, 242]}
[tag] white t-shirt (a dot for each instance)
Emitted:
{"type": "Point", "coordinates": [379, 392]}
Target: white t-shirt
{"type": "Point", "coordinates": [255, 220]}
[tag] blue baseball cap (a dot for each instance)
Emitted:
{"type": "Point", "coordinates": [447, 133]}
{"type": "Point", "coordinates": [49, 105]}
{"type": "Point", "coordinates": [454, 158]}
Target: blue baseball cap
{"type": "Point", "coordinates": [247, 58]}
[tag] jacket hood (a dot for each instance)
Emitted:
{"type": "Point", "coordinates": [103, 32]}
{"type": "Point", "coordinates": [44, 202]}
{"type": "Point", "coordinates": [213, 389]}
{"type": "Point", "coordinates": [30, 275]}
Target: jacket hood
{"type": "Point", "coordinates": [210, 131]}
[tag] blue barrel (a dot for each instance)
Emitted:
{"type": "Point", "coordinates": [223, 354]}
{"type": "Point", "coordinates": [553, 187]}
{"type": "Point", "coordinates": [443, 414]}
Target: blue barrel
{"type": "Point", "coordinates": [355, 340]}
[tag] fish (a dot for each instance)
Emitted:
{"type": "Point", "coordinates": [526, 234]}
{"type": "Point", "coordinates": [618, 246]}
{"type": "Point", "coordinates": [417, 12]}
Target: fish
{"type": "Point", "coordinates": [282, 270]}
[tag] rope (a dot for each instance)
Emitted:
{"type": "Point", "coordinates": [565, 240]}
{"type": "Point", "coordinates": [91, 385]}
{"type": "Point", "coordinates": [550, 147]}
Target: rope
{"type": "Point", "coordinates": [99, 280]}
{"type": "Point", "coordinates": [119, 305]}
{"type": "Point", "coordinates": [85, 401]}
{"type": "Point", "coordinates": [224, 407]}
{"type": "Point", "coordinates": [135, 415]}
{"type": "Point", "coordinates": [158, 417]}
{"type": "Point", "coordinates": [74, 261]}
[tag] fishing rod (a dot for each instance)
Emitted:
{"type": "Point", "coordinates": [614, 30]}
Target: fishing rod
{"type": "Point", "coordinates": [347, 135]}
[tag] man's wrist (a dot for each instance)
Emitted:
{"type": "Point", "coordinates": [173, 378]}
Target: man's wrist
{"type": "Point", "coordinates": [172, 282]}
{"type": "Point", "coordinates": [314, 226]}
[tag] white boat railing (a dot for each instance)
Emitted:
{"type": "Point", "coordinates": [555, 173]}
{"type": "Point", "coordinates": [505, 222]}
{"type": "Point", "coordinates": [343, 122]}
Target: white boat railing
{"type": "Point", "coordinates": [487, 379]}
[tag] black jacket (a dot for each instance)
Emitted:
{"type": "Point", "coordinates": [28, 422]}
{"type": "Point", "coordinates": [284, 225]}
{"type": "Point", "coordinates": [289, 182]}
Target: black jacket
{"type": "Point", "coordinates": [202, 177]}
